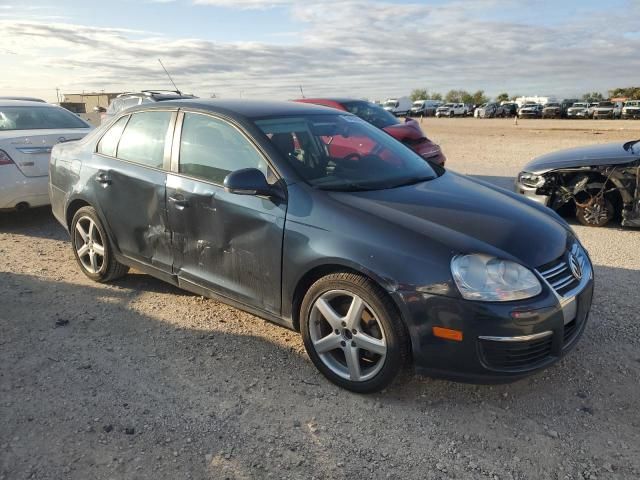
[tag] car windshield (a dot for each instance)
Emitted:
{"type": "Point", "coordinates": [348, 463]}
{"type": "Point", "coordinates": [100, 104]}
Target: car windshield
{"type": "Point", "coordinates": [632, 104]}
{"type": "Point", "coordinates": [579, 105]}
{"type": "Point", "coordinates": [344, 153]}
{"type": "Point", "coordinates": [552, 105]}
{"type": "Point", "coordinates": [419, 103]}
{"type": "Point", "coordinates": [371, 113]}
{"type": "Point", "coordinates": [390, 103]}
{"type": "Point", "coordinates": [605, 104]}
{"type": "Point", "coordinates": [38, 118]}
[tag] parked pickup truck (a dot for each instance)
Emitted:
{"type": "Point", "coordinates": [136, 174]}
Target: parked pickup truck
{"type": "Point", "coordinates": [452, 110]}
{"type": "Point", "coordinates": [631, 109]}
{"type": "Point", "coordinates": [530, 110]}
{"type": "Point", "coordinates": [607, 109]}
{"type": "Point", "coordinates": [578, 110]}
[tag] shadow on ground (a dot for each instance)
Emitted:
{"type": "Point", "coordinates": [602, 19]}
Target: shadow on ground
{"type": "Point", "coordinates": [208, 397]}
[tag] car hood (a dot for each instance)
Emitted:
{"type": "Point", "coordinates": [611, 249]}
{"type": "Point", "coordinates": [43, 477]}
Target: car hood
{"type": "Point", "coordinates": [592, 155]}
{"type": "Point", "coordinates": [464, 215]}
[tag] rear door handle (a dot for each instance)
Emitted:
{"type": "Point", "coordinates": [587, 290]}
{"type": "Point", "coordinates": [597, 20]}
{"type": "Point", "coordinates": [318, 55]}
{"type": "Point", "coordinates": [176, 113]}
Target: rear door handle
{"type": "Point", "coordinates": [179, 201]}
{"type": "Point", "coordinates": [103, 178]}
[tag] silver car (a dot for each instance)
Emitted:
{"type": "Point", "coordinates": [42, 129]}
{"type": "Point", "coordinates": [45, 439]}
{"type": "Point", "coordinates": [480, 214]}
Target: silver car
{"type": "Point", "coordinates": [28, 131]}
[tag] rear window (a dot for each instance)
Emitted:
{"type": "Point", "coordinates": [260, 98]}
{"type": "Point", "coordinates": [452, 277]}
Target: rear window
{"type": "Point", "coordinates": [38, 118]}
{"type": "Point", "coordinates": [371, 113]}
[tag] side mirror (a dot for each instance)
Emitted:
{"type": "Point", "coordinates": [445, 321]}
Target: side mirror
{"type": "Point", "coordinates": [99, 109]}
{"type": "Point", "coordinates": [249, 181]}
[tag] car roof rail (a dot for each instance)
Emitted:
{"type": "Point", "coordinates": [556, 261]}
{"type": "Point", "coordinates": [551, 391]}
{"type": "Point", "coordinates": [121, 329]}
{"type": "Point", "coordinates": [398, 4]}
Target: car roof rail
{"type": "Point", "coordinates": [161, 91]}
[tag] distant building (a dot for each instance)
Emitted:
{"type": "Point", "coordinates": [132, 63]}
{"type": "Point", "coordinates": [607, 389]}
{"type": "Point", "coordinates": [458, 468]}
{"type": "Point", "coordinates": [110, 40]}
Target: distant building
{"type": "Point", "coordinates": [90, 100]}
{"type": "Point", "coordinates": [82, 104]}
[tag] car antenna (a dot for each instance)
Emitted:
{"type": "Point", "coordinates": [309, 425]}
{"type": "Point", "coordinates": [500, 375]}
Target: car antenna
{"type": "Point", "coordinates": [171, 79]}
{"type": "Point", "coordinates": [301, 92]}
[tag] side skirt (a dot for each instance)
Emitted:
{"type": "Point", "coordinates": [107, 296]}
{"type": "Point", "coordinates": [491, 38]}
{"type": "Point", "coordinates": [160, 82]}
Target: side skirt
{"type": "Point", "coordinates": [200, 290]}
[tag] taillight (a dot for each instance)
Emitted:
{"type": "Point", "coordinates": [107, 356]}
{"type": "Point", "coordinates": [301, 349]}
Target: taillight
{"type": "Point", "coordinates": [5, 159]}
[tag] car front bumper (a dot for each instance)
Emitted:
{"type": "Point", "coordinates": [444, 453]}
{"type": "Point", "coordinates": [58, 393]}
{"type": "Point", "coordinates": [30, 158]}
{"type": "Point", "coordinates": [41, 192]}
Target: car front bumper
{"type": "Point", "coordinates": [17, 189]}
{"type": "Point", "coordinates": [634, 114]}
{"type": "Point", "coordinates": [597, 114]}
{"type": "Point", "coordinates": [495, 347]}
{"type": "Point", "coordinates": [577, 114]}
{"type": "Point", "coordinates": [530, 192]}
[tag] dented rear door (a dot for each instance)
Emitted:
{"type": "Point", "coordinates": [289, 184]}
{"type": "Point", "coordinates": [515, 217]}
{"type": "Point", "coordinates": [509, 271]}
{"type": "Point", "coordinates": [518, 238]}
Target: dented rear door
{"type": "Point", "coordinates": [128, 175]}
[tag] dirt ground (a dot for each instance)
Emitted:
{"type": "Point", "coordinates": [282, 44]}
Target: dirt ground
{"type": "Point", "coordinates": [139, 380]}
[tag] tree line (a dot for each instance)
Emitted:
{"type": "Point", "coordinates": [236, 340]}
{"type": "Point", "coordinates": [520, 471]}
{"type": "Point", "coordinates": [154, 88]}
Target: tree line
{"type": "Point", "coordinates": [478, 97]}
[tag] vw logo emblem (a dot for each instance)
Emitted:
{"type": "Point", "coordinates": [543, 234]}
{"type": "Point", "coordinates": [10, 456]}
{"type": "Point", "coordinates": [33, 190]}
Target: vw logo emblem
{"type": "Point", "coordinates": [574, 265]}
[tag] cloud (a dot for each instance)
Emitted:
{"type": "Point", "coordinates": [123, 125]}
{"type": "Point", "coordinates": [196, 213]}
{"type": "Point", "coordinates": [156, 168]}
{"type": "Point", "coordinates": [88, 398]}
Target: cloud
{"type": "Point", "coordinates": [351, 48]}
{"type": "Point", "coordinates": [246, 4]}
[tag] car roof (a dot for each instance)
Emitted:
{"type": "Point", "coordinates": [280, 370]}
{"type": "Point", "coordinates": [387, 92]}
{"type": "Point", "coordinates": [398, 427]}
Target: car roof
{"type": "Point", "coordinates": [29, 99]}
{"type": "Point", "coordinates": [336, 99]}
{"type": "Point", "coordinates": [24, 103]}
{"type": "Point", "coordinates": [245, 108]}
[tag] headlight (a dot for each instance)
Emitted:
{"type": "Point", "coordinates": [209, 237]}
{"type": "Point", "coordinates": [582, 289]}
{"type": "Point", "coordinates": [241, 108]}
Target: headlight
{"type": "Point", "coordinates": [531, 180]}
{"type": "Point", "coordinates": [489, 279]}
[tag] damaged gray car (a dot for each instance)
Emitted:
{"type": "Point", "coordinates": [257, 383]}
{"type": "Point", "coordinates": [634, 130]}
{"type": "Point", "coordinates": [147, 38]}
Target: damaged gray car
{"type": "Point", "coordinates": [598, 183]}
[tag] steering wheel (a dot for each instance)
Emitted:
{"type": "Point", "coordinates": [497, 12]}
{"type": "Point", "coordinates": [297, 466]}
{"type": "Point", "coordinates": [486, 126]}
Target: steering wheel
{"type": "Point", "coordinates": [352, 156]}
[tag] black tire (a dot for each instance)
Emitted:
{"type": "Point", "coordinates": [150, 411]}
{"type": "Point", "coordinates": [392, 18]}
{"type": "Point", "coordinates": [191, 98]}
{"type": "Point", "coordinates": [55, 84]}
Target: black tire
{"type": "Point", "coordinates": [386, 316]}
{"type": "Point", "coordinates": [607, 212]}
{"type": "Point", "coordinates": [109, 268]}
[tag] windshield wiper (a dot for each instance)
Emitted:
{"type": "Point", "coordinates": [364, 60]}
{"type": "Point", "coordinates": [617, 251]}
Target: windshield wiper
{"type": "Point", "coordinates": [629, 145]}
{"type": "Point", "coordinates": [412, 181]}
{"type": "Point", "coordinates": [346, 187]}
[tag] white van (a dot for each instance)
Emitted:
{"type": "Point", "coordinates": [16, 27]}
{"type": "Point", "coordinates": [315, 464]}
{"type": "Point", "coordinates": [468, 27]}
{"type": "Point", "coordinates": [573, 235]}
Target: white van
{"type": "Point", "coordinates": [397, 106]}
{"type": "Point", "coordinates": [424, 108]}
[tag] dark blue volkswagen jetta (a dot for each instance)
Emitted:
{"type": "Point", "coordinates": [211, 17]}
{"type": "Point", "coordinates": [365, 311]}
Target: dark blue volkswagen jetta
{"type": "Point", "coordinates": [318, 221]}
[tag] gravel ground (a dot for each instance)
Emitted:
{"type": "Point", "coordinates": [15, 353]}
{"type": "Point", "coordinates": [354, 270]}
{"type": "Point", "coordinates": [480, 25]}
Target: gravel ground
{"type": "Point", "coordinates": [137, 379]}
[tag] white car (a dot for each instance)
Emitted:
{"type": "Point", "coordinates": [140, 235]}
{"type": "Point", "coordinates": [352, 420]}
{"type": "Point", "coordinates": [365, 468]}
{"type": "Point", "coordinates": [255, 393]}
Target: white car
{"type": "Point", "coordinates": [452, 110]}
{"type": "Point", "coordinates": [28, 131]}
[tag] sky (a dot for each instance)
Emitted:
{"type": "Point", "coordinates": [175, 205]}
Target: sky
{"type": "Point", "coordinates": [348, 48]}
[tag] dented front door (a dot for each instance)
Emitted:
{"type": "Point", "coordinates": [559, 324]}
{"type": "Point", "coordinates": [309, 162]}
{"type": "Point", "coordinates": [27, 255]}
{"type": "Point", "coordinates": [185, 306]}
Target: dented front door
{"type": "Point", "coordinates": [231, 244]}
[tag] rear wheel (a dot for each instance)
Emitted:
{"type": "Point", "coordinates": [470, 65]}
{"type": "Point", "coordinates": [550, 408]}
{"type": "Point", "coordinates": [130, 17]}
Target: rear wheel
{"type": "Point", "coordinates": [353, 333]}
{"type": "Point", "coordinates": [92, 249]}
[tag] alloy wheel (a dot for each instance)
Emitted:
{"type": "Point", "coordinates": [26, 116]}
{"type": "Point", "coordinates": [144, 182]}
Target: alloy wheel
{"type": "Point", "coordinates": [347, 335]}
{"type": "Point", "coordinates": [89, 244]}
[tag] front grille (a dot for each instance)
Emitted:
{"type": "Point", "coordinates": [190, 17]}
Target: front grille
{"type": "Point", "coordinates": [559, 276]}
{"type": "Point", "coordinates": [516, 355]}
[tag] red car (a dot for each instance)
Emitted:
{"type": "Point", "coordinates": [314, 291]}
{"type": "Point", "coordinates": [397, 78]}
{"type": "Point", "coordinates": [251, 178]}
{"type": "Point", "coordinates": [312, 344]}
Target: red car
{"type": "Point", "coordinates": [408, 132]}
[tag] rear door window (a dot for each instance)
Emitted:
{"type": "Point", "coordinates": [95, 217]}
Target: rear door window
{"type": "Point", "coordinates": [144, 138]}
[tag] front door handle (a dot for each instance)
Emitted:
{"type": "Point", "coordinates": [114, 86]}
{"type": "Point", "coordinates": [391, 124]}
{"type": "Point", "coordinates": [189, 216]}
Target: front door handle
{"type": "Point", "coordinates": [179, 201]}
{"type": "Point", "coordinates": [103, 179]}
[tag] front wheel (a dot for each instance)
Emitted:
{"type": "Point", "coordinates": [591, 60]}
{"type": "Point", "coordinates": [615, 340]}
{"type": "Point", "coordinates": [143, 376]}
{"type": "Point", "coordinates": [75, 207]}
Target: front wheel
{"type": "Point", "coordinates": [92, 249]}
{"type": "Point", "coordinates": [596, 213]}
{"type": "Point", "coordinates": [353, 333]}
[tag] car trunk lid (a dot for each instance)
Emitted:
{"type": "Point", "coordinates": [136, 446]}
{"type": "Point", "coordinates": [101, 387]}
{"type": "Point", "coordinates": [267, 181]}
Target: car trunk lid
{"type": "Point", "coordinates": [31, 151]}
